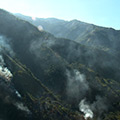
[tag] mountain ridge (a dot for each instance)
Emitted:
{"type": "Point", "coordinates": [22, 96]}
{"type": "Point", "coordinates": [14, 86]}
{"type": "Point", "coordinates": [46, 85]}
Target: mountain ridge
{"type": "Point", "coordinates": [59, 64]}
{"type": "Point", "coordinates": [84, 33]}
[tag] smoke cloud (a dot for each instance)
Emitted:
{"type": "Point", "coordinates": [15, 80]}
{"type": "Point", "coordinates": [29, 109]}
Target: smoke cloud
{"type": "Point", "coordinates": [5, 44]}
{"type": "Point", "coordinates": [4, 71]}
{"type": "Point", "coordinates": [18, 94]}
{"type": "Point", "coordinates": [22, 107]}
{"type": "Point", "coordinates": [100, 105]}
{"type": "Point", "coordinates": [77, 85]}
{"type": "Point", "coordinates": [85, 108]}
{"type": "Point", "coordinates": [78, 88]}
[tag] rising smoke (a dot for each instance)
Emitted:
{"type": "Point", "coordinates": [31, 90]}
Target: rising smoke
{"type": "Point", "coordinates": [85, 108]}
{"type": "Point", "coordinates": [5, 45]}
{"type": "Point", "coordinates": [8, 94]}
{"type": "Point", "coordinates": [22, 107]}
{"type": "Point", "coordinates": [100, 105]}
{"type": "Point", "coordinates": [4, 71]}
{"type": "Point", "coordinates": [77, 86]}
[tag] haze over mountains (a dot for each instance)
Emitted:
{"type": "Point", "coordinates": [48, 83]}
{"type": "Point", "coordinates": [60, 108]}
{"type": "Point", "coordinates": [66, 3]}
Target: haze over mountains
{"type": "Point", "coordinates": [78, 31]}
{"type": "Point", "coordinates": [79, 62]}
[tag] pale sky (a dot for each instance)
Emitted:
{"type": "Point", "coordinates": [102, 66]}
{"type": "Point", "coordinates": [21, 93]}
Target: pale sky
{"type": "Point", "coordinates": [100, 12]}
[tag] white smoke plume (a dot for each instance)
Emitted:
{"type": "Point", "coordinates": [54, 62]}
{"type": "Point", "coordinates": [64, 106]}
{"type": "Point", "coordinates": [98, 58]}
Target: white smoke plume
{"type": "Point", "coordinates": [22, 107]}
{"type": "Point", "coordinates": [85, 108]}
{"type": "Point", "coordinates": [18, 94]}
{"type": "Point", "coordinates": [77, 85]}
{"type": "Point", "coordinates": [78, 88]}
{"type": "Point", "coordinates": [5, 43]}
{"type": "Point", "coordinates": [4, 71]}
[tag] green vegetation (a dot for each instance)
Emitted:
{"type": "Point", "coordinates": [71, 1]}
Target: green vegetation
{"type": "Point", "coordinates": [40, 62]}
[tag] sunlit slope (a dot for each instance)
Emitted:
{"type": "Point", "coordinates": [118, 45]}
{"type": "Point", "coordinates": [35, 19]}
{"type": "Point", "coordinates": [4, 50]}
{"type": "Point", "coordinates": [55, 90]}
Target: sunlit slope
{"type": "Point", "coordinates": [50, 59]}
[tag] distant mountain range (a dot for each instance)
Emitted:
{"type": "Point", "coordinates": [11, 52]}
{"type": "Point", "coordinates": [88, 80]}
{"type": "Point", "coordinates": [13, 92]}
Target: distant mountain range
{"type": "Point", "coordinates": [88, 34]}
{"type": "Point", "coordinates": [58, 66]}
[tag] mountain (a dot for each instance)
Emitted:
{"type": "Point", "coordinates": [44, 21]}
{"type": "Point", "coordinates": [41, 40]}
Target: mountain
{"type": "Point", "coordinates": [95, 37]}
{"type": "Point", "coordinates": [27, 97]}
{"type": "Point", "coordinates": [84, 33]}
{"type": "Point", "coordinates": [44, 67]}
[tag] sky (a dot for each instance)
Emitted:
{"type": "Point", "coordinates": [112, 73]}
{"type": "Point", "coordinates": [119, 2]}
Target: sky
{"type": "Point", "coordinates": [99, 12]}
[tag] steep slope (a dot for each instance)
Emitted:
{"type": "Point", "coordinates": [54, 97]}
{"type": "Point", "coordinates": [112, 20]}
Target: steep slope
{"type": "Point", "coordinates": [69, 69]}
{"type": "Point", "coordinates": [39, 101]}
